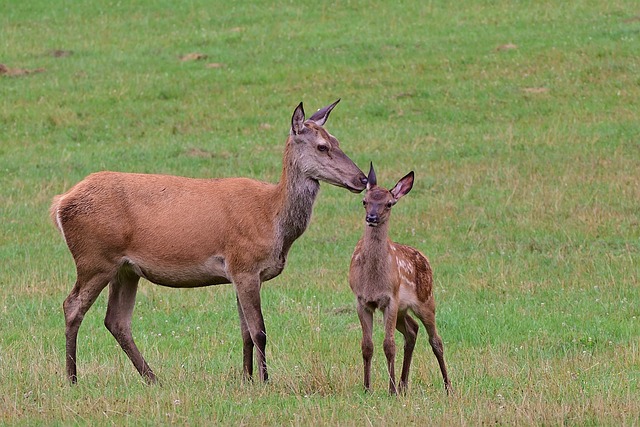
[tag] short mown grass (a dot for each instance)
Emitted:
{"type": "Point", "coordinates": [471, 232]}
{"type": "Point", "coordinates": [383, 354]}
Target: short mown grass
{"type": "Point", "coordinates": [519, 119]}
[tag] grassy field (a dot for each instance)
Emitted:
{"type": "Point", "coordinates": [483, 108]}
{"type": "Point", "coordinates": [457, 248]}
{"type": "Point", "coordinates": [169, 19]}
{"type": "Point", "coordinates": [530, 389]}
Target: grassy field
{"type": "Point", "coordinates": [520, 119]}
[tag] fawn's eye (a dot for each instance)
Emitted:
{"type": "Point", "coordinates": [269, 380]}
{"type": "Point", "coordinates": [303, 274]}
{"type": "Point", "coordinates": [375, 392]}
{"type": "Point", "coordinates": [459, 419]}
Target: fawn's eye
{"type": "Point", "coordinates": [364, 203]}
{"type": "Point", "coordinates": [323, 148]}
{"type": "Point", "coordinates": [389, 204]}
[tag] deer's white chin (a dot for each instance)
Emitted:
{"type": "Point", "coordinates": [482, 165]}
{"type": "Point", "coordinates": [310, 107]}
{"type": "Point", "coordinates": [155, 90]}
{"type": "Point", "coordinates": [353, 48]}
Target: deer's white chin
{"type": "Point", "coordinates": [372, 224]}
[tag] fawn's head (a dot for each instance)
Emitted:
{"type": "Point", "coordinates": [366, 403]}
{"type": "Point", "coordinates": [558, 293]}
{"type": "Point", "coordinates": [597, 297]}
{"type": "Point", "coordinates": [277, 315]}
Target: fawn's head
{"type": "Point", "coordinates": [378, 201]}
{"type": "Point", "coordinates": [317, 153]}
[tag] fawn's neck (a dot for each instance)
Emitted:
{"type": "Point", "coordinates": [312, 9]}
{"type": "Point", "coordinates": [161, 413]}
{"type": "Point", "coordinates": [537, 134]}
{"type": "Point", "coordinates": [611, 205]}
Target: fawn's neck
{"type": "Point", "coordinates": [376, 245]}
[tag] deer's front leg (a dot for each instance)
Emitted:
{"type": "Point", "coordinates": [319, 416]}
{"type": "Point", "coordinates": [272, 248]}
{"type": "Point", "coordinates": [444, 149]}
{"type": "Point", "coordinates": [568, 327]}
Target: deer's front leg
{"type": "Point", "coordinates": [366, 322]}
{"type": "Point", "coordinates": [248, 296]}
{"type": "Point", "coordinates": [389, 344]}
{"type": "Point", "coordinates": [247, 345]}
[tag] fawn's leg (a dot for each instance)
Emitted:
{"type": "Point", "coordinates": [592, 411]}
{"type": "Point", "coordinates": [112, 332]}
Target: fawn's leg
{"type": "Point", "coordinates": [409, 328]}
{"type": "Point", "coordinates": [427, 315]}
{"type": "Point", "coordinates": [389, 343]}
{"type": "Point", "coordinates": [366, 322]}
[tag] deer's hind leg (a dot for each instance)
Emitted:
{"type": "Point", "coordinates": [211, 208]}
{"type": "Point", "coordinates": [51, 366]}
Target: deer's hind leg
{"type": "Point", "coordinates": [122, 298]}
{"type": "Point", "coordinates": [409, 329]}
{"type": "Point", "coordinates": [427, 315]}
{"type": "Point", "coordinates": [88, 286]}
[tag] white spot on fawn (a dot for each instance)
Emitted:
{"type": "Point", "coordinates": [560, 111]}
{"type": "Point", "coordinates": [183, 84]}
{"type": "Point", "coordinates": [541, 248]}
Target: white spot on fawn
{"type": "Point", "coordinates": [404, 265]}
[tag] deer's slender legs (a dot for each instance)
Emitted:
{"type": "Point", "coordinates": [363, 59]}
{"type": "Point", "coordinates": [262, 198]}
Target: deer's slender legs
{"type": "Point", "coordinates": [409, 329]}
{"type": "Point", "coordinates": [84, 293]}
{"type": "Point", "coordinates": [427, 316]}
{"type": "Point", "coordinates": [122, 298]}
{"type": "Point", "coordinates": [366, 321]}
{"type": "Point", "coordinates": [247, 345]}
{"type": "Point", "coordinates": [389, 343]}
{"type": "Point", "coordinates": [248, 295]}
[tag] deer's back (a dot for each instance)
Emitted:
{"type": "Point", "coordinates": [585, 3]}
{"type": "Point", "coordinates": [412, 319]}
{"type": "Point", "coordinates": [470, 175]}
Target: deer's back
{"type": "Point", "coordinates": [165, 218]}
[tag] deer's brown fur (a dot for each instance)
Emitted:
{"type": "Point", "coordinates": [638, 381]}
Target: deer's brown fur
{"type": "Point", "coordinates": [395, 279]}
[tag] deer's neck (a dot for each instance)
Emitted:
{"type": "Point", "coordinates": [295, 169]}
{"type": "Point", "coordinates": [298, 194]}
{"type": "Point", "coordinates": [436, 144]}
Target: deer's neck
{"type": "Point", "coordinates": [376, 245]}
{"type": "Point", "coordinates": [298, 193]}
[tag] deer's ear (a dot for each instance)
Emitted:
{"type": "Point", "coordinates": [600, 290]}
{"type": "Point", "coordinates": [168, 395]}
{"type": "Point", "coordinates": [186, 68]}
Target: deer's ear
{"type": "Point", "coordinates": [371, 178]}
{"type": "Point", "coordinates": [403, 186]}
{"type": "Point", "coordinates": [297, 120]}
{"type": "Point", "coordinates": [320, 117]}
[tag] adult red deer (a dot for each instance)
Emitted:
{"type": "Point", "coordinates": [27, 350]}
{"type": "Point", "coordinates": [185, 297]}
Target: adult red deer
{"type": "Point", "coordinates": [395, 279]}
{"type": "Point", "coordinates": [184, 233]}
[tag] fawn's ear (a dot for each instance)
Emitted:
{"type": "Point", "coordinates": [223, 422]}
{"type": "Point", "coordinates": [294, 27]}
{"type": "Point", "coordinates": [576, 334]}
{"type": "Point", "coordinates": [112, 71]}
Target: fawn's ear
{"type": "Point", "coordinates": [297, 120]}
{"type": "Point", "coordinates": [371, 178]}
{"type": "Point", "coordinates": [403, 186]}
{"type": "Point", "coordinates": [320, 117]}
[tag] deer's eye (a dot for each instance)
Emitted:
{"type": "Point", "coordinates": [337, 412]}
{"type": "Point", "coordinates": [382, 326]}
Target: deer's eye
{"type": "Point", "coordinates": [364, 203]}
{"type": "Point", "coordinates": [323, 148]}
{"type": "Point", "coordinates": [389, 204]}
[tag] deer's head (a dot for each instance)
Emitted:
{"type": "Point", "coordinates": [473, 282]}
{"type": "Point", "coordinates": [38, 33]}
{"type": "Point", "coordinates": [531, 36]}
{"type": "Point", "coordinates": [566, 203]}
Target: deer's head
{"type": "Point", "coordinates": [317, 153]}
{"type": "Point", "coordinates": [378, 201]}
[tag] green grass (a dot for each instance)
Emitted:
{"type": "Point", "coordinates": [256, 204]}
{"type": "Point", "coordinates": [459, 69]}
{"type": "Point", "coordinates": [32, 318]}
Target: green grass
{"type": "Point", "coordinates": [527, 201]}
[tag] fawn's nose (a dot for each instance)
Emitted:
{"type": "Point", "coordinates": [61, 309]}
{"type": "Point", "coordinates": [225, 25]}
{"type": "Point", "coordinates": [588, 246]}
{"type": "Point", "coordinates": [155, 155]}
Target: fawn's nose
{"type": "Point", "coordinates": [372, 219]}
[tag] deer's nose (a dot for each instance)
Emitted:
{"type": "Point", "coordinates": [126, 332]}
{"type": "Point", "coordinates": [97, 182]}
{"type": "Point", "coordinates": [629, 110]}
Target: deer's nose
{"type": "Point", "coordinates": [372, 219]}
{"type": "Point", "coordinates": [363, 180]}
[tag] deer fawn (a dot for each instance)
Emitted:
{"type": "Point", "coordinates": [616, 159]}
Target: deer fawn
{"type": "Point", "coordinates": [184, 233]}
{"type": "Point", "coordinates": [393, 278]}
